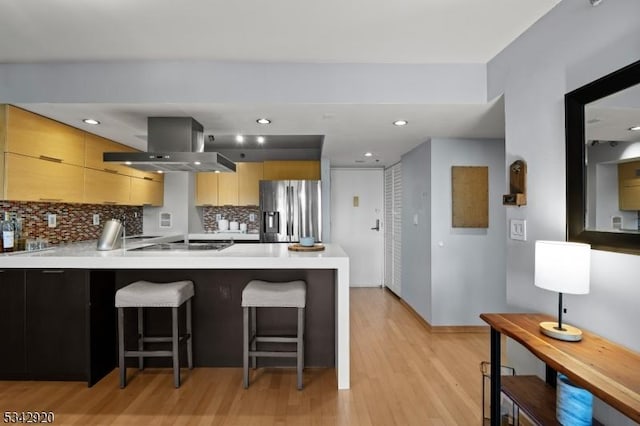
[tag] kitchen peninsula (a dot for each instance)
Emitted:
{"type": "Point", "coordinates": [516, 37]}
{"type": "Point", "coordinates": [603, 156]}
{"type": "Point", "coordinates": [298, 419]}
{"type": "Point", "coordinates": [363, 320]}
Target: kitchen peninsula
{"type": "Point", "coordinates": [91, 277]}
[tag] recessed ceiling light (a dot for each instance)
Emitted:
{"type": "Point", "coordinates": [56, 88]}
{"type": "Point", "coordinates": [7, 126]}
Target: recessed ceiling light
{"type": "Point", "coordinates": [217, 171]}
{"type": "Point", "coordinates": [160, 171]}
{"type": "Point", "coordinates": [263, 121]}
{"type": "Point", "coordinates": [400, 123]}
{"type": "Point", "coordinates": [91, 121]}
{"type": "Point", "coordinates": [260, 139]}
{"type": "Point", "coordinates": [197, 163]}
{"type": "Point", "coordinates": [239, 138]}
{"type": "Point", "coordinates": [128, 163]}
{"type": "Point", "coordinates": [634, 128]}
{"type": "Point", "coordinates": [368, 154]}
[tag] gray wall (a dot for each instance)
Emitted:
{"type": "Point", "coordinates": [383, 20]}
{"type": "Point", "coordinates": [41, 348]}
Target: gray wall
{"type": "Point", "coordinates": [467, 272]}
{"type": "Point", "coordinates": [451, 275]}
{"type": "Point", "coordinates": [567, 48]}
{"type": "Point", "coordinates": [416, 239]}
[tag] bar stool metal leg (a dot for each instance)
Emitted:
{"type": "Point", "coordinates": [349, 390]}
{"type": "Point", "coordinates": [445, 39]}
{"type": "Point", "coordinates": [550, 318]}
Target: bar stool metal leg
{"type": "Point", "coordinates": [174, 347]}
{"type": "Point", "coordinates": [245, 347]}
{"type": "Point", "coordinates": [123, 368]}
{"type": "Point", "coordinates": [300, 346]}
{"type": "Point", "coordinates": [190, 337]}
{"type": "Point", "coordinates": [253, 332]}
{"type": "Point", "coordinates": [140, 337]}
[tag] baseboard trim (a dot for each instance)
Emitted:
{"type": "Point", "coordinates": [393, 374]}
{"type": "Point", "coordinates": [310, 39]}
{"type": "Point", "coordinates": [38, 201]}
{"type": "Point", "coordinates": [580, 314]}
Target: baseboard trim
{"type": "Point", "coordinates": [442, 328]}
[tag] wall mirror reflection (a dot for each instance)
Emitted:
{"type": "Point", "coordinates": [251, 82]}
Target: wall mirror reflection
{"type": "Point", "coordinates": [603, 161]}
{"type": "Point", "coordinates": [612, 158]}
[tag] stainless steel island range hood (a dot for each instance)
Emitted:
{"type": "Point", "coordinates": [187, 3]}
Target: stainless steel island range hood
{"type": "Point", "coordinates": [174, 144]}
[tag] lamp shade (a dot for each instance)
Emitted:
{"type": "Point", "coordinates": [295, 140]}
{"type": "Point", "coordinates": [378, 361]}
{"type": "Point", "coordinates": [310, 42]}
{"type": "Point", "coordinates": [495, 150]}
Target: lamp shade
{"type": "Point", "coordinates": [562, 266]}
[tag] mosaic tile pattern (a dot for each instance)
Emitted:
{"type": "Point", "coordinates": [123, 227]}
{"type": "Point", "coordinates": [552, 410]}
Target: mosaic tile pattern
{"type": "Point", "coordinates": [239, 214]}
{"type": "Point", "coordinates": [74, 221]}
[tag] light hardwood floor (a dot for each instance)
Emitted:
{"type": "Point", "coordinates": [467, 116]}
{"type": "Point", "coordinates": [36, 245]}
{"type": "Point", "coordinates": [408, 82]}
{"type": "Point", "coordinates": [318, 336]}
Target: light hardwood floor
{"type": "Point", "coordinates": [401, 374]}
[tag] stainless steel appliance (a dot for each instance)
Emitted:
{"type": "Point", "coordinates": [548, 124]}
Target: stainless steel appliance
{"type": "Point", "coordinates": [174, 144]}
{"type": "Point", "coordinates": [289, 210]}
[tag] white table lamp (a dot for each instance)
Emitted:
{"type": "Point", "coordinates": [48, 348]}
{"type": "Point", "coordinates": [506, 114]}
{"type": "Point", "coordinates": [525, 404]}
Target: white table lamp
{"type": "Point", "coordinates": [563, 267]}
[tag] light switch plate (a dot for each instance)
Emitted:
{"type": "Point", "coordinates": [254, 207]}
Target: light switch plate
{"type": "Point", "coordinates": [96, 219]}
{"type": "Point", "coordinates": [252, 217]}
{"type": "Point", "coordinates": [52, 221]}
{"type": "Point", "coordinates": [518, 229]}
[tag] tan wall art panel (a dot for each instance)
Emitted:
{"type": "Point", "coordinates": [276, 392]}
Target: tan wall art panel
{"type": "Point", "coordinates": [470, 196]}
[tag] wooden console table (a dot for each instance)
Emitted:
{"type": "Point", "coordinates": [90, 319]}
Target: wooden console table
{"type": "Point", "coordinates": [609, 371]}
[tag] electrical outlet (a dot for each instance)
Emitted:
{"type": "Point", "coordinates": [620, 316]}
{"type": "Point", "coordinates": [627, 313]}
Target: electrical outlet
{"type": "Point", "coordinates": [252, 217]}
{"type": "Point", "coordinates": [218, 216]}
{"type": "Point", "coordinates": [96, 219]}
{"type": "Point", "coordinates": [52, 221]}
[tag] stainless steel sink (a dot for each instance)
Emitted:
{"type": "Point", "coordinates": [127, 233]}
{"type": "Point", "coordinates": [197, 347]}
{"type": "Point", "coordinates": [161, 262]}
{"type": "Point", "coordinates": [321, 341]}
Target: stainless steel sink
{"type": "Point", "coordinates": [183, 246]}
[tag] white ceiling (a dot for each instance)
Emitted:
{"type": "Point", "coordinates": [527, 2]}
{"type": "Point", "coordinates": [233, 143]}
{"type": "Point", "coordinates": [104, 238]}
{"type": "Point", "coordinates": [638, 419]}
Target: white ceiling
{"type": "Point", "coordinates": [330, 31]}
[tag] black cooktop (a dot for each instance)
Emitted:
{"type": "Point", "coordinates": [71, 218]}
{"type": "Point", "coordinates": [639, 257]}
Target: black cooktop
{"type": "Point", "coordinates": [184, 246]}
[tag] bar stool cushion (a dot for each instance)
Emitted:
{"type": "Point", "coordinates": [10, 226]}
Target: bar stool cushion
{"type": "Point", "coordinates": [145, 294]}
{"type": "Point", "coordinates": [264, 294]}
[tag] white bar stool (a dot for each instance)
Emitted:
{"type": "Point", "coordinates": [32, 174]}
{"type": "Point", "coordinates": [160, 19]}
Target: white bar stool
{"type": "Point", "coordinates": [145, 294]}
{"type": "Point", "coordinates": [263, 294]}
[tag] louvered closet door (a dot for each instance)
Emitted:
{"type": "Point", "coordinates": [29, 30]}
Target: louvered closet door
{"type": "Point", "coordinates": [388, 227]}
{"type": "Point", "coordinates": [393, 219]}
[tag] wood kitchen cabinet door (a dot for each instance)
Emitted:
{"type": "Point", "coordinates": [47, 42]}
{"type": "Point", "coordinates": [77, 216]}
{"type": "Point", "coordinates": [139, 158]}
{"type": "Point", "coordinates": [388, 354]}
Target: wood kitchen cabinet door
{"type": "Point", "coordinates": [207, 189]}
{"type": "Point", "coordinates": [228, 189]}
{"type": "Point", "coordinates": [12, 323]}
{"type": "Point", "coordinates": [249, 177]}
{"type": "Point", "coordinates": [33, 179]}
{"type": "Point", "coordinates": [96, 146]}
{"type": "Point", "coordinates": [106, 187]}
{"type": "Point", "coordinates": [291, 170]}
{"type": "Point", "coordinates": [36, 136]}
{"type": "Point", "coordinates": [146, 192]}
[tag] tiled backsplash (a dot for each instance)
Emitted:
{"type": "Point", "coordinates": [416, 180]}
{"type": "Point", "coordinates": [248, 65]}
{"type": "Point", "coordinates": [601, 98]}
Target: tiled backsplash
{"type": "Point", "coordinates": [74, 221]}
{"type": "Point", "coordinates": [239, 214]}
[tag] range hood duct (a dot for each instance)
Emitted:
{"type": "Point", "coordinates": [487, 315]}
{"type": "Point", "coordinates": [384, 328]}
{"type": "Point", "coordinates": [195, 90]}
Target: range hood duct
{"type": "Point", "coordinates": [174, 144]}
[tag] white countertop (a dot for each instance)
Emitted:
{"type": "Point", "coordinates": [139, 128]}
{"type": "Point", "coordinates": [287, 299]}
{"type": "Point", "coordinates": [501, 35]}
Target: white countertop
{"type": "Point", "coordinates": [237, 256]}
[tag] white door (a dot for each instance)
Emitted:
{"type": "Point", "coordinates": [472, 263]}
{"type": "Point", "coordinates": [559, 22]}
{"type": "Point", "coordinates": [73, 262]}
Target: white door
{"type": "Point", "coordinates": [357, 207]}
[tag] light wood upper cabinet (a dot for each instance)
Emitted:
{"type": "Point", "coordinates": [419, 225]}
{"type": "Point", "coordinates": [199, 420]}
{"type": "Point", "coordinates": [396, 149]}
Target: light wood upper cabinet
{"type": "Point", "coordinates": [97, 145]}
{"type": "Point", "coordinates": [106, 187]}
{"type": "Point", "coordinates": [228, 189]}
{"type": "Point", "coordinates": [236, 189]}
{"type": "Point", "coordinates": [294, 170]}
{"type": "Point", "coordinates": [629, 185]}
{"type": "Point", "coordinates": [249, 177]}
{"type": "Point", "coordinates": [207, 189]}
{"type": "Point", "coordinates": [36, 136]}
{"type": "Point", "coordinates": [33, 179]}
{"type": "Point", "coordinates": [146, 192]}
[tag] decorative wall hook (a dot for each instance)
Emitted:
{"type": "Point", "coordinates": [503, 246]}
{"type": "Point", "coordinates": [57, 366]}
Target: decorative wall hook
{"type": "Point", "coordinates": [517, 185]}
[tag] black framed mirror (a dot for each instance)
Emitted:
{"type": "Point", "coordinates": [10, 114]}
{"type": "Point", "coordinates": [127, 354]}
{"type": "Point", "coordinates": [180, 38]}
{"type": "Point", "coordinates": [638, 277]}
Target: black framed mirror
{"type": "Point", "coordinates": [589, 111]}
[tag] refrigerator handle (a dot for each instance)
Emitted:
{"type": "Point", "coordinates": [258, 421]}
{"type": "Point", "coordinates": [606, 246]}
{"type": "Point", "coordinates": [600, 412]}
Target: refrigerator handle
{"type": "Point", "coordinates": [290, 212]}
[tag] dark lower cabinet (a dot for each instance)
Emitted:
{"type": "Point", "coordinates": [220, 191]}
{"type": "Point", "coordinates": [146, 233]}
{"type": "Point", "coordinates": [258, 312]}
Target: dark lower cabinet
{"type": "Point", "coordinates": [57, 324]}
{"type": "Point", "coordinates": [12, 324]}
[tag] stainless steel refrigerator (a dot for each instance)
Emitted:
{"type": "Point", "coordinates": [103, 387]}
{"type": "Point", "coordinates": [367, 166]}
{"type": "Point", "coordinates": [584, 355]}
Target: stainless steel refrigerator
{"type": "Point", "coordinates": [290, 209]}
